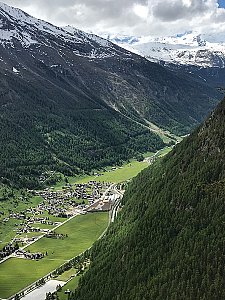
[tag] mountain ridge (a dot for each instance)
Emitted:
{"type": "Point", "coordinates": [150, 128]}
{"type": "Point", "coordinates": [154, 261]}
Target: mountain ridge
{"type": "Point", "coordinates": [59, 88]}
{"type": "Point", "coordinates": [190, 48]}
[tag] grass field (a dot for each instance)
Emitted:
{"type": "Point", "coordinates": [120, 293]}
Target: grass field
{"type": "Point", "coordinates": [83, 231]}
{"type": "Point", "coordinates": [148, 154]}
{"type": "Point", "coordinates": [6, 229]}
{"type": "Point", "coordinates": [44, 226]}
{"type": "Point", "coordinates": [15, 274]}
{"type": "Point", "coordinates": [71, 285]}
{"type": "Point", "coordinates": [67, 274]}
{"type": "Point", "coordinates": [164, 151]}
{"type": "Point", "coordinates": [80, 230]}
{"type": "Point", "coordinates": [126, 172]}
{"type": "Point", "coordinates": [29, 234]}
{"type": "Point", "coordinates": [121, 174]}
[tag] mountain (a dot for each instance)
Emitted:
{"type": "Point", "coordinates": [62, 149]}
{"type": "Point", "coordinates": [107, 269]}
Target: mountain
{"type": "Point", "coordinates": [213, 76]}
{"type": "Point", "coordinates": [202, 56]}
{"type": "Point", "coordinates": [190, 48]}
{"type": "Point", "coordinates": [71, 102]}
{"type": "Point", "coordinates": [168, 240]}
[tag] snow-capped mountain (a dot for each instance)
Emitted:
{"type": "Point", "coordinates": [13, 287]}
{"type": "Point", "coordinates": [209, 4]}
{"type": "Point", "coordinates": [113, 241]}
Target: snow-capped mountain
{"type": "Point", "coordinates": [71, 101]}
{"type": "Point", "coordinates": [17, 28]}
{"type": "Point", "coordinates": [191, 48]}
{"type": "Point", "coordinates": [86, 66]}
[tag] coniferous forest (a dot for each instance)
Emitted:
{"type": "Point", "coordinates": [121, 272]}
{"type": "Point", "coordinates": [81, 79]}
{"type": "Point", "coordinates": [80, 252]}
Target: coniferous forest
{"type": "Point", "coordinates": [80, 143]}
{"type": "Point", "coordinates": [38, 135]}
{"type": "Point", "coordinates": [74, 103]}
{"type": "Point", "coordinates": [64, 112]}
{"type": "Point", "coordinates": [168, 241]}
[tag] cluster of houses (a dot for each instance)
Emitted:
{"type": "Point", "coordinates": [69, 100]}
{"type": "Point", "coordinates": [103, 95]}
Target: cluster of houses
{"type": "Point", "coordinates": [13, 248]}
{"type": "Point", "coordinates": [63, 203]}
{"type": "Point", "coordinates": [8, 250]}
{"type": "Point", "coordinates": [27, 255]}
{"type": "Point", "coordinates": [26, 228]}
{"type": "Point", "coordinates": [14, 215]}
{"type": "Point", "coordinates": [71, 201]}
{"type": "Point", "coordinates": [24, 240]}
{"type": "Point", "coordinates": [18, 216]}
{"type": "Point", "coordinates": [91, 191]}
{"type": "Point", "coordinates": [54, 235]}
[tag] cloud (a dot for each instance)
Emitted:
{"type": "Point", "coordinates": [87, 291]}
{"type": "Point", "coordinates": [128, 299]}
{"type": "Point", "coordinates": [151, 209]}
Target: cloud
{"type": "Point", "coordinates": [84, 14]}
{"type": "Point", "coordinates": [136, 17]}
{"type": "Point", "coordinates": [172, 10]}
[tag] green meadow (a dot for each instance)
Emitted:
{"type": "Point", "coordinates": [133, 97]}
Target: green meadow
{"type": "Point", "coordinates": [82, 231]}
{"type": "Point", "coordinates": [71, 285]}
{"type": "Point", "coordinates": [120, 174]}
{"type": "Point", "coordinates": [6, 228]}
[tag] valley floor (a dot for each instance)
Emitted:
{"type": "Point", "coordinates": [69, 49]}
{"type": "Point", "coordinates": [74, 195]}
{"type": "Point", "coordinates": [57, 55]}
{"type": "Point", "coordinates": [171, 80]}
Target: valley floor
{"type": "Point", "coordinates": [81, 232]}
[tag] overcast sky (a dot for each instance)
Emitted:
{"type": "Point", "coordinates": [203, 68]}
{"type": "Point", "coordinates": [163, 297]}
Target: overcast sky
{"type": "Point", "coordinates": [132, 17]}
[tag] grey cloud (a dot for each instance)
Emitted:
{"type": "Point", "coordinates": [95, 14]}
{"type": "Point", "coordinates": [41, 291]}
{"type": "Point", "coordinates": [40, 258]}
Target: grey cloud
{"type": "Point", "coordinates": [219, 17]}
{"type": "Point", "coordinates": [103, 6]}
{"type": "Point", "coordinates": [169, 10]}
{"type": "Point", "coordinates": [118, 16]}
{"type": "Point", "coordinates": [93, 11]}
{"type": "Point", "coordinates": [90, 17]}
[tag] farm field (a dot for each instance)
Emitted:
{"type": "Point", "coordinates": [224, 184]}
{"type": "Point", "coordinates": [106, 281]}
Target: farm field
{"type": "Point", "coordinates": [6, 229]}
{"type": "Point", "coordinates": [45, 226]}
{"type": "Point", "coordinates": [120, 174]}
{"type": "Point", "coordinates": [15, 274]}
{"type": "Point", "coordinates": [82, 231]}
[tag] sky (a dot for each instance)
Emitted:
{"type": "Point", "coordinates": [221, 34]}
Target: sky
{"type": "Point", "coordinates": [221, 3]}
{"type": "Point", "coordinates": [130, 17]}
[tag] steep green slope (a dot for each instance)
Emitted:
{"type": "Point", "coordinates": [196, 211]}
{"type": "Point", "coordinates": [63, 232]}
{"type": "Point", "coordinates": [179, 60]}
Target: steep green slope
{"type": "Point", "coordinates": [168, 242]}
{"type": "Point", "coordinates": [43, 128]}
{"type": "Point", "coordinates": [49, 124]}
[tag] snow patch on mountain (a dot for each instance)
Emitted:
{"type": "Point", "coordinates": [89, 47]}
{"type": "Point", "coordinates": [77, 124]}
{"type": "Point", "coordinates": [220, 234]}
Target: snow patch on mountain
{"type": "Point", "coordinates": [15, 70]}
{"type": "Point", "coordinates": [18, 25]}
{"type": "Point", "coordinates": [87, 36]}
{"type": "Point", "coordinates": [190, 48]}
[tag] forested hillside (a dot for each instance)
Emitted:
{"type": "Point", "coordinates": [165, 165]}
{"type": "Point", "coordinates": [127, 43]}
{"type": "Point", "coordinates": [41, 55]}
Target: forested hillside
{"type": "Point", "coordinates": [71, 102]}
{"type": "Point", "coordinates": [38, 134]}
{"type": "Point", "coordinates": [168, 242]}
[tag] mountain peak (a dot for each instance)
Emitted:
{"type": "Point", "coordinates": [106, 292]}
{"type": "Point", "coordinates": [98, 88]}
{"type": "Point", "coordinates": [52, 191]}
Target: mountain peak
{"type": "Point", "coordinates": [10, 9]}
{"type": "Point", "coordinates": [189, 48]}
{"type": "Point", "coordinates": [17, 28]}
{"type": "Point", "coordinates": [66, 71]}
